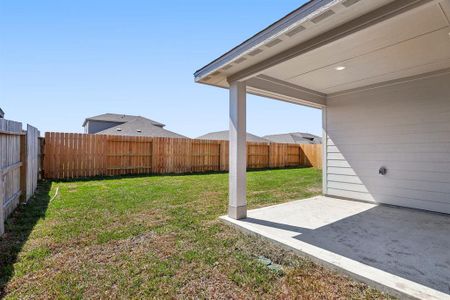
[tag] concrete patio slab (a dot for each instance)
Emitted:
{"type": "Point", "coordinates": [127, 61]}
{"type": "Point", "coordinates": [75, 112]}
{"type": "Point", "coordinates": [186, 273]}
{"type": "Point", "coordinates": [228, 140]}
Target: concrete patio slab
{"type": "Point", "coordinates": [403, 251]}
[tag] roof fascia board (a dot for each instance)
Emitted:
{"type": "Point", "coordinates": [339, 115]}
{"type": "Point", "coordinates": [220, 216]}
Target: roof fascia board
{"type": "Point", "coordinates": [97, 120]}
{"type": "Point", "coordinates": [372, 18]}
{"type": "Point", "coordinates": [269, 32]}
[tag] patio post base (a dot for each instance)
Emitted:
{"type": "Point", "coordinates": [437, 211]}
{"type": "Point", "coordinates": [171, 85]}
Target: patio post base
{"type": "Point", "coordinates": [237, 213]}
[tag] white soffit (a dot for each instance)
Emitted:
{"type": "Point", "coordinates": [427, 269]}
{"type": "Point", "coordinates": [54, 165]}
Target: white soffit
{"type": "Point", "coordinates": [412, 43]}
{"type": "Point", "coordinates": [335, 13]}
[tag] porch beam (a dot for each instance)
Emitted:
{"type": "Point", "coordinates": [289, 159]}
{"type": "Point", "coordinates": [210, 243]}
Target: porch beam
{"type": "Point", "coordinates": [237, 208]}
{"type": "Point", "coordinates": [365, 21]}
{"type": "Point", "coordinates": [267, 86]}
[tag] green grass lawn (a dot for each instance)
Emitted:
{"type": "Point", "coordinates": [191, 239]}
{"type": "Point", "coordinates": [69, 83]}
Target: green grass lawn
{"type": "Point", "coordinates": [158, 237]}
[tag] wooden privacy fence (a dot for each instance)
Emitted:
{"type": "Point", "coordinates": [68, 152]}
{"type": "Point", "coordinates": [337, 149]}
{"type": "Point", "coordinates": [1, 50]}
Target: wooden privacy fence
{"type": "Point", "coordinates": [10, 133]}
{"type": "Point", "coordinates": [73, 155]}
{"type": "Point", "coordinates": [18, 174]}
{"type": "Point", "coordinates": [31, 156]}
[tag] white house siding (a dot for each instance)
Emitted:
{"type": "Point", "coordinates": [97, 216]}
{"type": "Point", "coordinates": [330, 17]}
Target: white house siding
{"type": "Point", "coordinates": [404, 127]}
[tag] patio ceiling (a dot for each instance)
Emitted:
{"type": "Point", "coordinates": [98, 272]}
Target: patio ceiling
{"type": "Point", "coordinates": [339, 46]}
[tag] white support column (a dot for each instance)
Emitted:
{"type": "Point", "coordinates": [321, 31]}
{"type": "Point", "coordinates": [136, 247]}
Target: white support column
{"type": "Point", "coordinates": [237, 208]}
{"type": "Point", "coordinates": [324, 152]}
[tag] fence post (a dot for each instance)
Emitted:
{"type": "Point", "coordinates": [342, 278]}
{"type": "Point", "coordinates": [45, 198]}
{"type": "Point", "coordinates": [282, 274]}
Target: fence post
{"type": "Point", "coordinates": [221, 154]}
{"type": "Point", "coordinates": [41, 158]}
{"type": "Point", "coordinates": [224, 155]}
{"type": "Point", "coordinates": [46, 156]}
{"type": "Point", "coordinates": [23, 168]}
{"type": "Point", "coordinates": [155, 155]}
{"type": "Point", "coordinates": [270, 155]}
{"type": "Point", "coordinates": [2, 202]}
{"type": "Point", "coordinates": [300, 156]}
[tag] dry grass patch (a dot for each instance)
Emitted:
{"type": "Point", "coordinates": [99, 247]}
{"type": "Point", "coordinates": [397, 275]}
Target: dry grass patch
{"type": "Point", "coordinates": [158, 237]}
{"type": "Point", "coordinates": [97, 263]}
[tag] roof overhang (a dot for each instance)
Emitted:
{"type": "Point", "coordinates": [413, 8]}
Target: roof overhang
{"type": "Point", "coordinates": [100, 120]}
{"type": "Point", "coordinates": [297, 58]}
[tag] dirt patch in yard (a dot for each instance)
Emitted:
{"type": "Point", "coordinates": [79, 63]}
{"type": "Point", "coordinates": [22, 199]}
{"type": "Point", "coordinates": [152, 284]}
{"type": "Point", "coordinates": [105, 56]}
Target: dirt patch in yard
{"type": "Point", "coordinates": [314, 189]}
{"type": "Point", "coordinates": [200, 283]}
{"type": "Point", "coordinates": [302, 279]}
{"type": "Point", "coordinates": [97, 262]}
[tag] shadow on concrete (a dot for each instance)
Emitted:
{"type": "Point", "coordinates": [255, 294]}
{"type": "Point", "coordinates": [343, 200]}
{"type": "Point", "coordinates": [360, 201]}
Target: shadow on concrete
{"type": "Point", "coordinates": [409, 243]}
{"type": "Point", "coordinates": [277, 225]}
{"type": "Point", "coordinates": [18, 227]}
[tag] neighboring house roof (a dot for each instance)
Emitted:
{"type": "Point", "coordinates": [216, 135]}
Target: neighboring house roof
{"type": "Point", "coordinates": [109, 117]}
{"type": "Point", "coordinates": [224, 136]}
{"type": "Point", "coordinates": [2, 113]}
{"type": "Point", "coordinates": [140, 126]}
{"type": "Point", "coordinates": [294, 138]}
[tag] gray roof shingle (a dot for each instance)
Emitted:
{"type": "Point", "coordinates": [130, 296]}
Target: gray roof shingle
{"type": "Point", "coordinates": [109, 117]}
{"type": "Point", "coordinates": [224, 136]}
{"type": "Point", "coordinates": [294, 138]}
{"type": "Point", "coordinates": [140, 126]}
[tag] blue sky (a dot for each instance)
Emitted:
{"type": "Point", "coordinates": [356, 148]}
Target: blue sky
{"type": "Point", "coordinates": [62, 61]}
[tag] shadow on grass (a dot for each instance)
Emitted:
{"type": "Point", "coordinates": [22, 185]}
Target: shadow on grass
{"type": "Point", "coordinates": [17, 230]}
{"type": "Point", "coordinates": [124, 176]}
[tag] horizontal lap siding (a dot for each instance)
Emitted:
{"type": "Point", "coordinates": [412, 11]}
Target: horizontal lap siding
{"type": "Point", "coordinates": [404, 127]}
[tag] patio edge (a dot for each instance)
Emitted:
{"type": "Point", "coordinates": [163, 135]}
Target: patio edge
{"type": "Point", "coordinates": [397, 289]}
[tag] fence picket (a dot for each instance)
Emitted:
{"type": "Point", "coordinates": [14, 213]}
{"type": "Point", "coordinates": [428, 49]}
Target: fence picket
{"type": "Point", "coordinates": [19, 166]}
{"type": "Point", "coordinates": [72, 155]}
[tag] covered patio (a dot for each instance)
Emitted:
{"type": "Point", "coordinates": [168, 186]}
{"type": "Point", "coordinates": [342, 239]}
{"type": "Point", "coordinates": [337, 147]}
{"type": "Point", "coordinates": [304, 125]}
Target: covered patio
{"type": "Point", "coordinates": [380, 73]}
{"type": "Point", "coordinates": [399, 250]}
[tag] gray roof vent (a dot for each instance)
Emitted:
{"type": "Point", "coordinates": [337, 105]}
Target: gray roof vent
{"type": "Point", "coordinates": [119, 129]}
{"type": "Point", "coordinates": [239, 60]}
{"type": "Point", "coordinates": [273, 43]}
{"type": "Point", "coordinates": [348, 3]}
{"type": "Point", "coordinates": [295, 31]}
{"type": "Point", "coordinates": [255, 52]}
{"type": "Point", "coordinates": [138, 130]}
{"type": "Point", "coordinates": [323, 16]}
